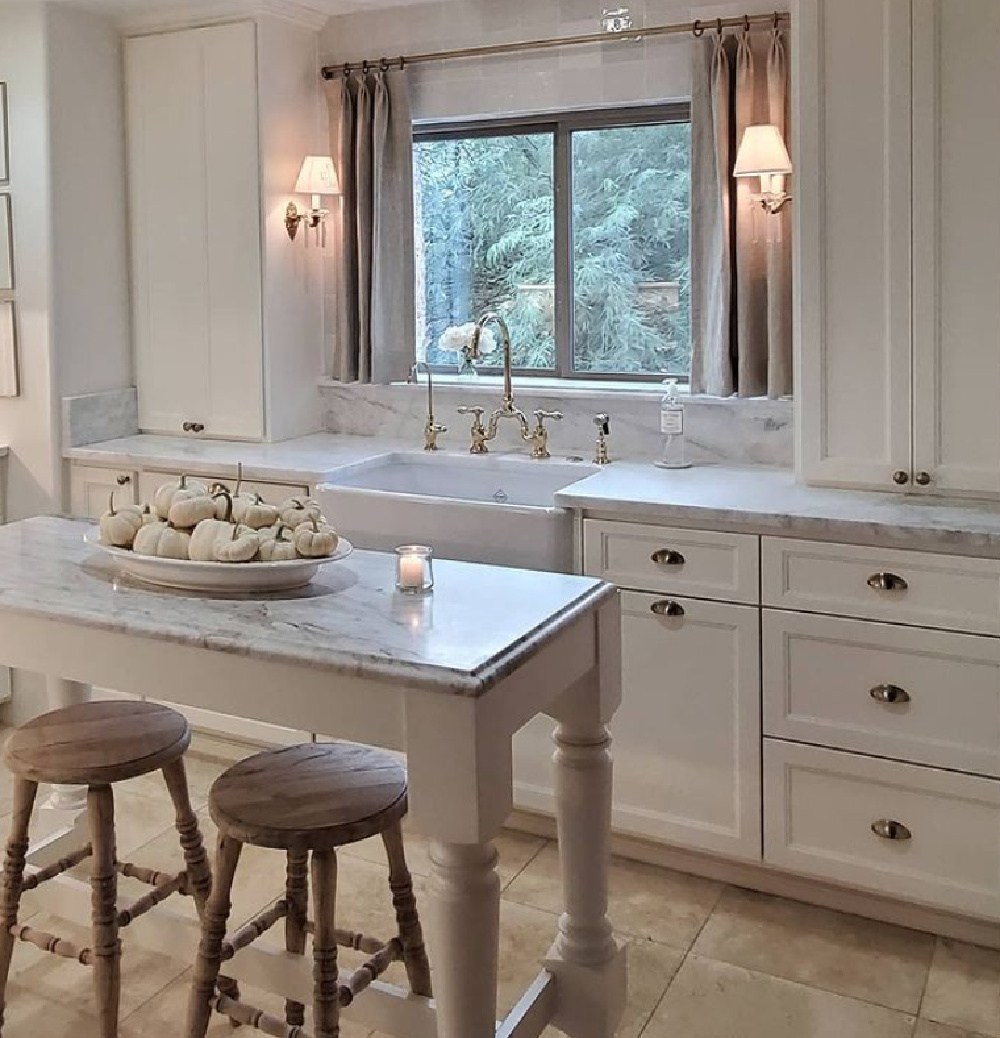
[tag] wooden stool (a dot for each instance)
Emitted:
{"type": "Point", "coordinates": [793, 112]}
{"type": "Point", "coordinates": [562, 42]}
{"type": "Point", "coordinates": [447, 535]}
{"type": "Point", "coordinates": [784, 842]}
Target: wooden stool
{"type": "Point", "coordinates": [94, 745]}
{"type": "Point", "coordinates": [311, 798]}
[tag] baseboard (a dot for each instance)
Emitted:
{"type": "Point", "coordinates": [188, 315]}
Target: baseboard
{"type": "Point", "coordinates": [785, 884]}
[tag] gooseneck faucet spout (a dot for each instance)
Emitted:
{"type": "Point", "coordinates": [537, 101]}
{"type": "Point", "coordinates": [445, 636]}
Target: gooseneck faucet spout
{"type": "Point", "coordinates": [475, 354]}
{"type": "Point", "coordinates": [431, 429]}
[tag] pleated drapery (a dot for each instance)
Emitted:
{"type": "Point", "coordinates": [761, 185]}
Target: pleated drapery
{"type": "Point", "coordinates": [741, 316]}
{"type": "Point", "coordinates": [371, 141]}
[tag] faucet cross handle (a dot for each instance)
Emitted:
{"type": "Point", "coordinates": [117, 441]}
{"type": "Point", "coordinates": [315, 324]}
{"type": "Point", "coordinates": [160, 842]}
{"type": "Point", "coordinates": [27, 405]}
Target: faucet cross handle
{"type": "Point", "coordinates": [539, 436]}
{"type": "Point", "coordinates": [541, 416]}
{"type": "Point", "coordinates": [478, 429]}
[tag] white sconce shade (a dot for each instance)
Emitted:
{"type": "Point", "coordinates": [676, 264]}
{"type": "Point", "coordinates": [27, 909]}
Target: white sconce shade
{"type": "Point", "coordinates": [317, 176]}
{"type": "Point", "coordinates": [762, 153]}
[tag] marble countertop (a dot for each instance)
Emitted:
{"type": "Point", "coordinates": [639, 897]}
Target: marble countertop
{"type": "Point", "coordinates": [769, 501]}
{"type": "Point", "coordinates": [350, 620]}
{"type": "Point", "coordinates": [749, 499]}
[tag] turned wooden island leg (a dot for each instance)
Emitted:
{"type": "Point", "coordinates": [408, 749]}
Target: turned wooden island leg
{"type": "Point", "coordinates": [104, 889]}
{"type": "Point", "coordinates": [63, 692]}
{"type": "Point", "coordinates": [13, 876]}
{"type": "Point", "coordinates": [463, 908]}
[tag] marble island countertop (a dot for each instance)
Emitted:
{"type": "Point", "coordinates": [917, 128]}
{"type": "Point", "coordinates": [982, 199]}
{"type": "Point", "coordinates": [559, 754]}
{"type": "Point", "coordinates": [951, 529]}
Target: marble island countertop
{"type": "Point", "coordinates": [350, 620]}
{"type": "Point", "coordinates": [749, 499]}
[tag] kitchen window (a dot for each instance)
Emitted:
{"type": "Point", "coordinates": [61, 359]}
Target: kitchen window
{"type": "Point", "coordinates": [576, 228]}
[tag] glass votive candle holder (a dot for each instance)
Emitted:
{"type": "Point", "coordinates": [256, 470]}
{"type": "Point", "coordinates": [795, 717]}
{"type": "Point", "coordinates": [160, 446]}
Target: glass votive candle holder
{"type": "Point", "coordinates": [414, 569]}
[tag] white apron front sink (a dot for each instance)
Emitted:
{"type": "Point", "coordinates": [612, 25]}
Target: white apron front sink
{"type": "Point", "coordinates": [497, 510]}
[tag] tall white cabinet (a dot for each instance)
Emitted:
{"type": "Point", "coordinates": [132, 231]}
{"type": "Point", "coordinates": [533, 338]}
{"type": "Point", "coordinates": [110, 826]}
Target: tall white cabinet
{"type": "Point", "coordinates": [194, 191]}
{"type": "Point", "coordinates": [898, 244]}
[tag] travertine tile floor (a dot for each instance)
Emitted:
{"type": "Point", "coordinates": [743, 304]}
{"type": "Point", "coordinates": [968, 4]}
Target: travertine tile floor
{"type": "Point", "coordinates": [706, 961]}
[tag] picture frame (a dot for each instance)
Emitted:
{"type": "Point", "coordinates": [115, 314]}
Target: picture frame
{"type": "Point", "coordinates": [4, 153]}
{"type": "Point", "coordinates": [10, 379]}
{"type": "Point", "coordinates": [6, 245]}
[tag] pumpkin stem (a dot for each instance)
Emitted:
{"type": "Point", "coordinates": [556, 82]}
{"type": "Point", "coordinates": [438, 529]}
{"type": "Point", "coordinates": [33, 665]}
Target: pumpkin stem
{"type": "Point", "coordinates": [312, 519]}
{"type": "Point", "coordinates": [183, 482]}
{"type": "Point", "coordinates": [239, 478]}
{"type": "Point", "coordinates": [279, 533]}
{"type": "Point", "coordinates": [111, 504]}
{"type": "Point", "coordinates": [224, 492]}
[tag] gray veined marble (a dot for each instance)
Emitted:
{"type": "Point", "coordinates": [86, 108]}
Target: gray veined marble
{"type": "Point", "coordinates": [91, 417]}
{"type": "Point", "coordinates": [349, 621]}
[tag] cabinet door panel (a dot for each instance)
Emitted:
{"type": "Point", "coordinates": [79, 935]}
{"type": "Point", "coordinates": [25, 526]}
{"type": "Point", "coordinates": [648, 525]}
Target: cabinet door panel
{"type": "Point", "coordinates": [851, 135]}
{"type": "Point", "coordinates": [687, 735]}
{"type": "Point", "coordinates": [956, 259]}
{"type": "Point", "coordinates": [91, 489]}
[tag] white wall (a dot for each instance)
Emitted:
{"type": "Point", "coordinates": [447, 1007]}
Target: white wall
{"type": "Point", "coordinates": [604, 75]}
{"type": "Point", "coordinates": [90, 321]}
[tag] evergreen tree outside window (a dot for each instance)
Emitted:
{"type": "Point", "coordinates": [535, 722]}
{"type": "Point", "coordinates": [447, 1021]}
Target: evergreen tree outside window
{"type": "Point", "coordinates": [576, 228]}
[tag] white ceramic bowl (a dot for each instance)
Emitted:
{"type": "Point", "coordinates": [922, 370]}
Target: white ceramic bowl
{"type": "Point", "coordinates": [217, 576]}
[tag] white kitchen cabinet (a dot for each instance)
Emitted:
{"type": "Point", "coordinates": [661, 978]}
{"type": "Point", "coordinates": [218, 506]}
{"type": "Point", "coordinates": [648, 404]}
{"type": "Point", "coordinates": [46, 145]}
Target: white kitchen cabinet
{"type": "Point", "coordinates": [195, 212]}
{"type": "Point", "coordinates": [687, 735]}
{"type": "Point", "coordinates": [956, 243]}
{"type": "Point", "coordinates": [91, 488]}
{"type": "Point", "coordinates": [897, 244]}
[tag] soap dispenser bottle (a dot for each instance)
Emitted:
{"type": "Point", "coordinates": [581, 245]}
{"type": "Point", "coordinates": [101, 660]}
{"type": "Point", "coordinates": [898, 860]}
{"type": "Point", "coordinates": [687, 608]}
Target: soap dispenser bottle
{"type": "Point", "coordinates": [672, 427]}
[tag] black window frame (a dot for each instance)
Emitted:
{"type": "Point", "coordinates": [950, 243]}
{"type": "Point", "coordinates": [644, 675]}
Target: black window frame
{"type": "Point", "coordinates": [562, 126]}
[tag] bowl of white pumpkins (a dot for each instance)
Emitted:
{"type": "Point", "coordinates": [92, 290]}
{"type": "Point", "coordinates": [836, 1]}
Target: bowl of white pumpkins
{"type": "Point", "coordinates": [198, 537]}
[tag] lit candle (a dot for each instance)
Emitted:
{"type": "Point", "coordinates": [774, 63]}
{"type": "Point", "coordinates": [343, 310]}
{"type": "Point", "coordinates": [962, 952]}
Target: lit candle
{"type": "Point", "coordinates": [411, 571]}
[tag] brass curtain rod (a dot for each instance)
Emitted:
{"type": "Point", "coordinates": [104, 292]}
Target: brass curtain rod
{"type": "Point", "coordinates": [695, 28]}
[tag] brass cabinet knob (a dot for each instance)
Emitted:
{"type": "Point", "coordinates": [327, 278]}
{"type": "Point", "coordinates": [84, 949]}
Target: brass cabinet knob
{"type": "Point", "coordinates": [887, 582]}
{"type": "Point", "coordinates": [667, 607]}
{"type": "Point", "coordinates": [123, 481]}
{"type": "Point", "coordinates": [889, 829]}
{"type": "Point", "coordinates": [889, 694]}
{"type": "Point", "coordinates": [922, 479]}
{"type": "Point", "coordinates": [901, 477]}
{"type": "Point", "coordinates": [667, 557]}
{"type": "Point", "coordinates": [194, 427]}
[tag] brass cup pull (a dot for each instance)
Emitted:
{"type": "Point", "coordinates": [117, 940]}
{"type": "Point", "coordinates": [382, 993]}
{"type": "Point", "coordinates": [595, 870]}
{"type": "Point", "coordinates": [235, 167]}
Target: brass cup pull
{"type": "Point", "coordinates": [123, 481]}
{"type": "Point", "coordinates": [922, 479]}
{"type": "Point", "coordinates": [887, 829]}
{"type": "Point", "coordinates": [887, 582]}
{"type": "Point", "coordinates": [667, 557]}
{"type": "Point", "coordinates": [195, 427]}
{"type": "Point", "coordinates": [889, 694]}
{"type": "Point", "coordinates": [667, 607]}
{"type": "Point", "coordinates": [901, 477]}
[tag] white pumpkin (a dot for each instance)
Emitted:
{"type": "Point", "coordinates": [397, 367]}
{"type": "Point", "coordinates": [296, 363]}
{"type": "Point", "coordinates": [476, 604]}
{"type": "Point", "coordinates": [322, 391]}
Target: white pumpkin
{"type": "Point", "coordinates": [240, 546]}
{"type": "Point", "coordinates": [315, 541]}
{"type": "Point", "coordinates": [296, 510]}
{"type": "Point", "coordinates": [204, 536]}
{"type": "Point", "coordinates": [164, 496]}
{"type": "Point", "coordinates": [119, 526]}
{"type": "Point", "coordinates": [162, 541]}
{"type": "Point", "coordinates": [253, 511]}
{"type": "Point", "coordinates": [149, 516]}
{"type": "Point", "coordinates": [189, 507]}
{"type": "Point", "coordinates": [275, 545]}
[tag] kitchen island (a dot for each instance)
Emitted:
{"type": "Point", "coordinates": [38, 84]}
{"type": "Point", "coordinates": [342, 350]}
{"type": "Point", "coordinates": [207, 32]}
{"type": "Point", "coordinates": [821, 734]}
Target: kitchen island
{"type": "Point", "coordinates": [448, 678]}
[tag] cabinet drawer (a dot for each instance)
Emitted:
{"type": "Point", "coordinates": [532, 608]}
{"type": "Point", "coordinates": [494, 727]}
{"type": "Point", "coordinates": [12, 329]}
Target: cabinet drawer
{"type": "Point", "coordinates": [930, 697]}
{"type": "Point", "coordinates": [273, 493]}
{"type": "Point", "coordinates": [820, 807]}
{"type": "Point", "coordinates": [91, 488]}
{"type": "Point", "coordinates": [696, 563]}
{"type": "Point", "coordinates": [932, 590]}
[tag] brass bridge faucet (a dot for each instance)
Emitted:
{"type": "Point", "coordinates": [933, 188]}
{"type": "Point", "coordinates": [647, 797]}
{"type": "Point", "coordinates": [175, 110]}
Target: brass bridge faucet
{"type": "Point", "coordinates": [538, 436]}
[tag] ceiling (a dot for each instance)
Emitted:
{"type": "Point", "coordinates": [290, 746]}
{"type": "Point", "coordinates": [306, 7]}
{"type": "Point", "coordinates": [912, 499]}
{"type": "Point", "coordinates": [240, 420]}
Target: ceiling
{"type": "Point", "coordinates": [328, 7]}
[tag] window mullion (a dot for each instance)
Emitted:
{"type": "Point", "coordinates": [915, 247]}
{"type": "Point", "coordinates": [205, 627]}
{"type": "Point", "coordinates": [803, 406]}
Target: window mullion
{"type": "Point", "coordinates": [563, 252]}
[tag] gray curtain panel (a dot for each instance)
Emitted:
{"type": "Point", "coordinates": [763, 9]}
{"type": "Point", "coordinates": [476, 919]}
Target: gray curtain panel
{"type": "Point", "coordinates": [371, 141]}
{"type": "Point", "coordinates": [740, 257]}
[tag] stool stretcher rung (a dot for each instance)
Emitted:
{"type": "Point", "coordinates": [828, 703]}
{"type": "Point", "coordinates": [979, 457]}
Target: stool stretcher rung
{"type": "Point", "coordinates": [352, 939]}
{"type": "Point", "coordinates": [56, 868]}
{"type": "Point", "coordinates": [241, 1013]}
{"type": "Point", "coordinates": [171, 885]}
{"type": "Point", "coordinates": [371, 970]}
{"type": "Point", "coordinates": [53, 944]}
{"type": "Point", "coordinates": [256, 927]}
{"type": "Point", "coordinates": [150, 877]}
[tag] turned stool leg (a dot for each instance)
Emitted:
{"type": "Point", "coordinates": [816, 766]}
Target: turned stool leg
{"type": "Point", "coordinates": [199, 871]}
{"type": "Point", "coordinates": [13, 876]}
{"type": "Point", "coordinates": [418, 971]}
{"type": "Point", "coordinates": [297, 896]}
{"type": "Point", "coordinates": [326, 990]}
{"type": "Point", "coordinates": [104, 907]}
{"type": "Point", "coordinates": [213, 933]}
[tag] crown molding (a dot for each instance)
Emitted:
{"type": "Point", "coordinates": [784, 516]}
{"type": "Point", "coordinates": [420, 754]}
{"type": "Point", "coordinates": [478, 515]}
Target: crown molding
{"type": "Point", "coordinates": [168, 17]}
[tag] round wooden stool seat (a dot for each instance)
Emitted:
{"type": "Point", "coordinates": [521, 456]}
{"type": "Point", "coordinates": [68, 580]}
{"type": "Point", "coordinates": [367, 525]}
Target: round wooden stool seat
{"type": "Point", "coordinates": [97, 743]}
{"type": "Point", "coordinates": [316, 796]}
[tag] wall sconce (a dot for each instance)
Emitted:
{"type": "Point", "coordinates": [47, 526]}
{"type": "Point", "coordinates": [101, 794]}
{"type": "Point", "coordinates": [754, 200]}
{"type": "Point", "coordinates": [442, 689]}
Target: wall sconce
{"type": "Point", "coordinates": [763, 154]}
{"type": "Point", "coordinates": [317, 178]}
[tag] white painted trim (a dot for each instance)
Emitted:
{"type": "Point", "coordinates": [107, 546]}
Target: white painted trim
{"type": "Point", "coordinates": [197, 15]}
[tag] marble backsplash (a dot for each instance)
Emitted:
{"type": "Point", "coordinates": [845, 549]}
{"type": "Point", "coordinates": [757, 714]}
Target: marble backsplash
{"type": "Point", "coordinates": [742, 432]}
{"type": "Point", "coordinates": [93, 417]}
